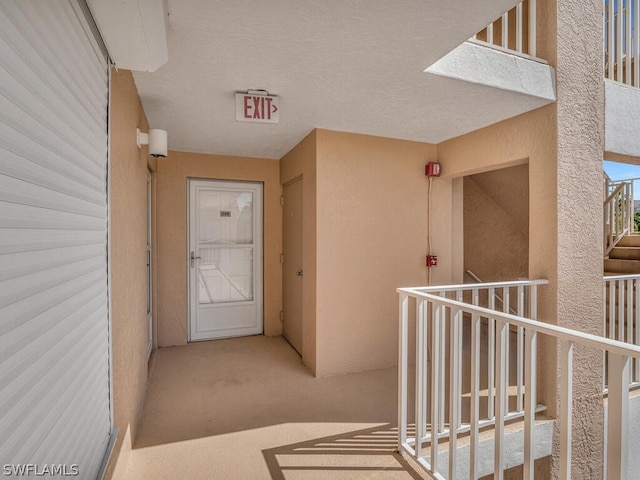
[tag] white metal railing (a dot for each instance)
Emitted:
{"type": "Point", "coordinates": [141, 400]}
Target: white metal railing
{"type": "Point", "coordinates": [497, 296]}
{"type": "Point", "coordinates": [622, 316]}
{"type": "Point", "coordinates": [514, 32]}
{"type": "Point", "coordinates": [439, 321]}
{"type": "Point", "coordinates": [618, 213]}
{"type": "Point", "coordinates": [614, 183]}
{"type": "Point", "coordinates": [621, 41]}
{"type": "Point", "coordinates": [606, 184]}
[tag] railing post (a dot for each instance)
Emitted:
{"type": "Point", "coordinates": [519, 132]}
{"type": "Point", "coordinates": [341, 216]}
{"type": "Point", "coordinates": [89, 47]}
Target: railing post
{"type": "Point", "coordinates": [629, 66]}
{"type": "Point", "coordinates": [505, 30]}
{"type": "Point", "coordinates": [520, 355]}
{"type": "Point", "coordinates": [454, 391]}
{"type": "Point", "coordinates": [506, 305]}
{"type": "Point", "coordinates": [420, 369]}
{"type": "Point", "coordinates": [604, 331]}
{"type": "Point", "coordinates": [619, 26]}
{"type": "Point", "coordinates": [636, 80]}
{"type": "Point", "coordinates": [519, 25]}
{"type": "Point", "coordinates": [403, 336]}
{"type": "Point", "coordinates": [474, 417]}
{"type": "Point", "coordinates": [435, 385]}
{"type": "Point", "coordinates": [443, 360]}
{"type": "Point", "coordinates": [617, 417]}
{"type": "Point", "coordinates": [620, 310]}
{"type": "Point", "coordinates": [530, 373]}
{"type": "Point", "coordinates": [566, 408]}
{"type": "Point", "coordinates": [636, 322]}
{"type": "Point", "coordinates": [532, 28]}
{"type": "Point", "coordinates": [491, 351]}
{"type": "Point", "coordinates": [502, 400]}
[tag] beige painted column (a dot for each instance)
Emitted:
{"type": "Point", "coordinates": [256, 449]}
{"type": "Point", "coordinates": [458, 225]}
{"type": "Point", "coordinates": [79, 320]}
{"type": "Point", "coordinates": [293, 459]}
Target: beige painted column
{"type": "Point", "coordinates": [580, 135]}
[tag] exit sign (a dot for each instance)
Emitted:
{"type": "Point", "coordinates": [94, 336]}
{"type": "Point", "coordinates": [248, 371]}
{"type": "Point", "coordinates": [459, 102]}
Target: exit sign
{"type": "Point", "coordinates": [257, 108]}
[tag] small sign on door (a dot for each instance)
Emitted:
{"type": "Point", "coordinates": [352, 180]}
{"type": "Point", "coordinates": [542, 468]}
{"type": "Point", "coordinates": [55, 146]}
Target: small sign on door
{"type": "Point", "coordinates": [257, 107]}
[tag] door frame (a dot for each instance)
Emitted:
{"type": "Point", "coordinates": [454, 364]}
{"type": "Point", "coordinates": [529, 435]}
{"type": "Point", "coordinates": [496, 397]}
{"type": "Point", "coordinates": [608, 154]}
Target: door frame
{"type": "Point", "coordinates": [150, 283]}
{"type": "Point", "coordinates": [258, 274]}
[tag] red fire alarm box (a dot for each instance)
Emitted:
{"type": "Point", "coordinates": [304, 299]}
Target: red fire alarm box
{"type": "Point", "coordinates": [432, 261]}
{"type": "Point", "coordinates": [432, 169]}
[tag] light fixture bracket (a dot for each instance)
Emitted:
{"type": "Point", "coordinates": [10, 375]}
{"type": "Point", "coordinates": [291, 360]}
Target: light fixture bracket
{"type": "Point", "coordinates": [141, 138]}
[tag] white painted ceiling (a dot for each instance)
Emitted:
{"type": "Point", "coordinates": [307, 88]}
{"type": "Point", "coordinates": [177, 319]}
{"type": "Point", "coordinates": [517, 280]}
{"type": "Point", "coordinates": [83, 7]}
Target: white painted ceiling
{"type": "Point", "coordinates": [347, 65]}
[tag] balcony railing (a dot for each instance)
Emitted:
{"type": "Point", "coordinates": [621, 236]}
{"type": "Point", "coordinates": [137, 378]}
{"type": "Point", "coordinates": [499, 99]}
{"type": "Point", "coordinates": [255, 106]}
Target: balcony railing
{"type": "Point", "coordinates": [514, 32]}
{"type": "Point", "coordinates": [618, 215]}
{"type": "Point", "coordinates": [441, 316]}
{"type": "Point", "coordinates": [621, 41]}
{"type": "Point", "coordinates": [622, 316]}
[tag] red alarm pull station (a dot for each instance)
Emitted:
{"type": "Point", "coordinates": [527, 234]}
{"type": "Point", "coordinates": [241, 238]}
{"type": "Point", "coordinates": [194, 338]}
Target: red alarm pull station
{"type": "Point", "coordinates": [432, 261]}
{"type": "Point", "coordinates": [432, 169]}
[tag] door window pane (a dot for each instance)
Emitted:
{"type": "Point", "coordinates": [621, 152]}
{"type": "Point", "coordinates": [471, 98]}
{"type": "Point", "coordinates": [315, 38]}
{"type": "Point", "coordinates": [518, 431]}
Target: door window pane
{"type": "Point", "coordinates": [225, 217]}
{"type": "Point", "coordinates": [225, 275]}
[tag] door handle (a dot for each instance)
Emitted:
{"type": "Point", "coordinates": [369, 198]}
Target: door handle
{"type": "Point", "coordinates": [299, 273]}
{"type": "Point", "coordinates": [193, 259]}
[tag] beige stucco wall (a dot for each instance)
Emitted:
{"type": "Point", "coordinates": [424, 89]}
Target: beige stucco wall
{"type": "Point", "coordinates": [128, 265]}
{"type": "Point", "coordinates": [509, 189]}
{"type": "Point", "coordinates": [371, 239]}
{"type": "Point", "coordinates": [172, 175]}
{"type": "Point", "coordinates": [301, 162]}
{"type": "Point", "coordinates": [580, 110]}
{"type": "Point", "coordinates": [530, 136]}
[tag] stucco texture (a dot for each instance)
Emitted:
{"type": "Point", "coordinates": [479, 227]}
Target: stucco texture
{"type": "Point", "coordinates": [129, 333]}
{"type": "Point", "coordinates": [372, 238]}
{"type": "Point", "coordinates": [172, 175]}
{"type": "Point", "coordinates": [580, 110]}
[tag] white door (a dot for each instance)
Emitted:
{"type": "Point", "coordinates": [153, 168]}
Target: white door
{"type": "Point", "coordinates": [225, 259]}
{"type": "Point", "coordinates": [292, 273]}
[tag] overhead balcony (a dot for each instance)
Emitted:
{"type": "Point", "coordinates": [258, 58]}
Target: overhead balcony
{"type": "Point", "coordinates": [501, 63]}
{"type": "Point", "coordinates": [622, 78]}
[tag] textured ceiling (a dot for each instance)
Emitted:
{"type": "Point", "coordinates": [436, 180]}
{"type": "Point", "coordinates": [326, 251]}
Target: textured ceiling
{"type": "Point", "coordinates": [348, 65]}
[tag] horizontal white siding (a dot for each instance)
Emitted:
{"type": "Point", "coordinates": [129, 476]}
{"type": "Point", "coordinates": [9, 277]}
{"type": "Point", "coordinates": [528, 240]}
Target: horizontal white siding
{"type": "Point", "coordinates": [54, 365]}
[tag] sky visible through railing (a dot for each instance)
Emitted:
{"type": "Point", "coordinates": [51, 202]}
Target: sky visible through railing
{"type": "Point", "coordinates": [628, 4]}
{"type": "Point", "coordinates": [621, 171]}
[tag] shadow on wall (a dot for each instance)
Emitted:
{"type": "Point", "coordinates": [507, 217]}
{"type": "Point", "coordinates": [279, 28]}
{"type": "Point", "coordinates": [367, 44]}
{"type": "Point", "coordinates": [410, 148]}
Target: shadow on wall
{"type": "Point", "coordinates": [359, 454]}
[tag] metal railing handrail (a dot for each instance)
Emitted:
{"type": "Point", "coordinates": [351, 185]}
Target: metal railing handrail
{"type": "Point", "coordinates": [563, 333]}
{"type": "Point", "coordinates": [476, 286]}
{"type": "Point", "coordinates": [613, 194]}
{"type": "Point", "coordinates": [439, 322]}
{"type": "Point", "coordinates": [621, 180]}
{"type": "Point", "coordinates": [629, 276]}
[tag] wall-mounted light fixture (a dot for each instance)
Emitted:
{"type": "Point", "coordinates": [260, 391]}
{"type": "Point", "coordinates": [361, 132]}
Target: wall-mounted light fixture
{"type": "Point", "coordinates": [156, 139]}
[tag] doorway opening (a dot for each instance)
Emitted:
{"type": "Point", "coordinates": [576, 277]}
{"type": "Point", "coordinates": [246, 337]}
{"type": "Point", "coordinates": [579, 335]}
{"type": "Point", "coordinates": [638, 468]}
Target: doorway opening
{"type": "Point", "coordinates": [496, 225]}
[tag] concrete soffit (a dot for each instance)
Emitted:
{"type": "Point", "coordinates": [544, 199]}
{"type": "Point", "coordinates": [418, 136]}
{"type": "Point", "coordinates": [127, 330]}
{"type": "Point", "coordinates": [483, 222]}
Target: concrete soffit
{"type": "Point", "coordinates": [532, 81]}
{"type": "Point", "coordinates": [134, 31]}
{"type": "Point", "coordinates": [622, 123]}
